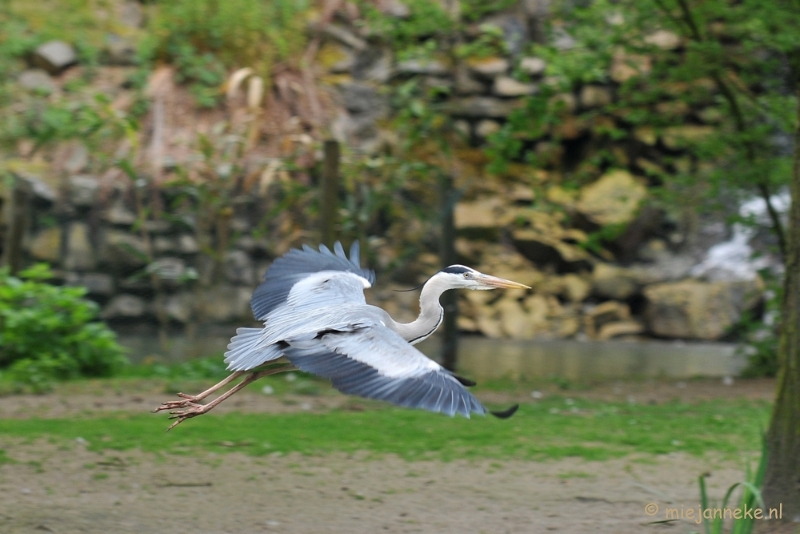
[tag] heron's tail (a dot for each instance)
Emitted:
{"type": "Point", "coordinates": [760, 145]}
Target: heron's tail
{"type": "Point", "coordinates": [244, 352]}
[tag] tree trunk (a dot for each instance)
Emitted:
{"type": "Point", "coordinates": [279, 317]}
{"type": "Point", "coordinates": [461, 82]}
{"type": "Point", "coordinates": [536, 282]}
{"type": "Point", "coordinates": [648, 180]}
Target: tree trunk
{"type": "Point", "coordinates": [18, 220]}
{"type": "Point", "coordinates": [447, 256]}
{"type": "Point", "coordinates": [782, 480]}
{"type": "Point", "coordinates": [329, 194]}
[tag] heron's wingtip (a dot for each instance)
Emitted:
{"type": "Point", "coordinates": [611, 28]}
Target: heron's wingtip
{"type": "Point", "coordinates": [505, 414]}
{"type": "Point", "coordinates": [464, 381]}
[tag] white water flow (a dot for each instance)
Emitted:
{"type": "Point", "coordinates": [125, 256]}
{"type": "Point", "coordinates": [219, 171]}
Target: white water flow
{"type": "Point", "coordinates": [733, 259]}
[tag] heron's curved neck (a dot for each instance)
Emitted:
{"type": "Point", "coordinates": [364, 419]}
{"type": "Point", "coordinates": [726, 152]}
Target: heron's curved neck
{"type": "Point", "coordinates": [431, 313]}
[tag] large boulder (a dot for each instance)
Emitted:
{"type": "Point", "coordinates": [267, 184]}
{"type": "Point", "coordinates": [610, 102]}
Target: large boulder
{"type": "Point", "coordinates": [46, 245]}
{"type": "Point", "coordinates": [80, 252]}
{"type": "Point", "coordinates": [625, 66]}
{"type": "Point", "coordinates": [169, 269]}
{"type": "Point", "coordinates": [55, 56]}
{"type": "Point", "coordinates": [536, 317]}
{"type": "Point", "coordinates": [488, 212]}
{"type": "Point", "coordinates": [119, 50]}
{"type": "Point", "coordinates": [490, 67]}
{"type": "Point", "coordinates": [97, 284]}
{"type": "Point", "coordinates": [613, 199]}
{"type": "Point", "coordinates": [83, 190]}
{"type": "Point", "coordinates": [663, 39]}
{"type": "Point", "coordinates": [180, 307]}
{"type": "Point", "coordinates": [547, 244]}
{"type": "Point", "coordinates": [482, 106]}
{"type": "Point", "coordinates": [118, 213]}
{"type": "Point", "coordinates": [37, 80]}
{"type": "Point", "coordinates": [532, 66]}
{"type": "Point", "coordinates": [123, 251]}
{"type": "Point", "coordinates": [239, 268]}
{"type": "Point", "coordinates": [694, 309]}
{"type": "Point", "coordinates": [506, 86]}
{"type": "Point", "coordinates": [603, 314]}
{"type": "Point", "coordinates": [612, 282]}
{"type": "Point", "coordinates": [125, 307]}
{"type": "Point", "coordinates": [224, 304]}
{"type": "Point", "coordinates": [678, 137]}
{"type": "Point", "coordinates": [432, 67]}
{"type": "Point", "coordinates": [465, 84]}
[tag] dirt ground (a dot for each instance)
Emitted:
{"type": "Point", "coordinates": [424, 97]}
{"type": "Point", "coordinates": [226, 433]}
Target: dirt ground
{"type": "Point", "coordinates": [52, 490]}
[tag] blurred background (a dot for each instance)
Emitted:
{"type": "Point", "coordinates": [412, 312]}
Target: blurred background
{"type": "Point", "coordinates": [162, 154]}
{"type": "Point", "coordinates": [628, 160]}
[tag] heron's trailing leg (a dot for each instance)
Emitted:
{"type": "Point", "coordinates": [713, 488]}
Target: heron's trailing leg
{"type": "Point", "coordinates": [190, 399]}
{"type": "Point", "coordinates": [193, 410]}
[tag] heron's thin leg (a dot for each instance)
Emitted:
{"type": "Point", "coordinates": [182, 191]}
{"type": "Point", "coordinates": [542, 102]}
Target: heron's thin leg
{"type": "Point", "coordinates": [189, 399]}
{"type": "Point", "coordinates": [193, 410]}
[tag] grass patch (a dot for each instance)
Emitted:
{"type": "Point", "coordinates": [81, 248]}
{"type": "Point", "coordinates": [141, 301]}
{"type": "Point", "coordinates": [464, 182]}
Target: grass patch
{"type": "Point", "coordinates": [549, 429]}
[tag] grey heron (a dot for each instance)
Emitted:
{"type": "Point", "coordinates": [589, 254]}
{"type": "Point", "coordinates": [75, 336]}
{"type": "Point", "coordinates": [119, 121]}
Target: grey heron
{"type": "Point", "coordinates": [316, 320]}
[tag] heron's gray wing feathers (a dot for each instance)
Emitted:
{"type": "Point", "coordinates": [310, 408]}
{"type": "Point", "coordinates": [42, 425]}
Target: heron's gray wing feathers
{"type": "Point", "coordinates": [319, 301]}
{"type": "Point", "coordinates": [246, 350]}
{"type": "Point", "coordinates": [296, 265]}
{"type": "Point", "coordinates": [372, 361]}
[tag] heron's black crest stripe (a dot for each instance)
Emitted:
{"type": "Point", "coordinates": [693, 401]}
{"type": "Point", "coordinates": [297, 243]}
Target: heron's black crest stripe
{"type": "Point", "coordinates": [464, 381]}
{"type": "Point", "coordinates": [295, 265]}
{"type": "Point", "coordinates": [412, 289]}
{"type": "Point", "coordinates": [456, 269]}
{"type": "Point", "coordinates": [505, 414]}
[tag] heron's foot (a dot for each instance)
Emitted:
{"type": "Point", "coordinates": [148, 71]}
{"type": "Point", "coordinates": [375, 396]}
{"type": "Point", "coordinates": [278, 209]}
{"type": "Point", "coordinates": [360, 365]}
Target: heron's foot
{"type": "Point", "coordinates": [187, 401]}
{"type": "Point", "coordinates": [191, 410]}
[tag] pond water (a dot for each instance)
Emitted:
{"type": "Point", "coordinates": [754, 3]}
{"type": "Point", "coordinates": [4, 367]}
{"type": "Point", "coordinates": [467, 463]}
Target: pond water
{"type": "Point", "coordinates": [483, 358]}
{"type": "Point", "coordinates": [575, 360]}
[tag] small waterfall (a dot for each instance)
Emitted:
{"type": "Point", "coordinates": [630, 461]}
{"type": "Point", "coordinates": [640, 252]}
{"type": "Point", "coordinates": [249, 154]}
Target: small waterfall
{"type": "Point", "coordinates": [733, 259]}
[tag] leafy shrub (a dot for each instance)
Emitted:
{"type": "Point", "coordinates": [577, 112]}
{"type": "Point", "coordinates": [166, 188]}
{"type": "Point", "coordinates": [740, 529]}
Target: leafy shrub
{"type": "Point", "coordinates": [416, 36]}
{"type": "Point", "coordinates": [204, 38]}
{"type": "Point", "coordinates": [50, 333]}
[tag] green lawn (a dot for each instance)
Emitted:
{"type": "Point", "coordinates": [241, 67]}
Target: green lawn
{"type": "Point", "coordinates": [552, 428]}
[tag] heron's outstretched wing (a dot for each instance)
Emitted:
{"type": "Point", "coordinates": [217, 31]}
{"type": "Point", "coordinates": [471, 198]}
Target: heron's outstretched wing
{"type": "Point", "coordinates": [297, 265]}
{"type": "Point", "coordinates": [372, 361]}
{"type": "Point", "coordinates": [291, 300]}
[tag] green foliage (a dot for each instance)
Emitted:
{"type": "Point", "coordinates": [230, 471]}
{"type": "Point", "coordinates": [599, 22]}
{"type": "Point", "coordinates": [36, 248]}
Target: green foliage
{"type": "Point", "coordinates": [429, 29]}
{"type": "Point", "coordinates": [51, 333]}
{"type": "Point", "coordinates": [47, 121]}
{"type": "Point", "coordinates": [211, 368]}
{"type": "Point", "coordinates": [25, 25]}
{"type": "Point", "coordinates": [714, 99]}
{"type": "Point", "coordinates": [419, 35]}
{"type": "Point", "coordinates": [489, 43]}
{"type": "Point", "coordinates": [206, 38]}
{"type": "Point", "coordinates": [472, 10]}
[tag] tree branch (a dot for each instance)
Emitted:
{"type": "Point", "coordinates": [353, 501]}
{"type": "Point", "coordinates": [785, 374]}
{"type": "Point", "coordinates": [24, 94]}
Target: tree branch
{"type": "Point", "coordinates": [774, 216]}
{"type": "Point", "coordinates": [687, 16]}
{"type": "Point", "coordinates": [741, 127]}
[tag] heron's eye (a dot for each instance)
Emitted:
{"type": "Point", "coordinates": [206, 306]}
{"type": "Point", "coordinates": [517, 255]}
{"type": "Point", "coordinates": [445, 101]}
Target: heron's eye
{"type": "Point", "coordinates": [467, 275]}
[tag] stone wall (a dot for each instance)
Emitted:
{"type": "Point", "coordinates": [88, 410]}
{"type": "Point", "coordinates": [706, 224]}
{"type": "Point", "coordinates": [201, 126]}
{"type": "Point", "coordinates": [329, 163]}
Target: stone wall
{"type": "Point", "coordinates": [146, 272]}
{"type": "Point", "coordinates": [162, 270]}
{"type": "Point", "coordinates": [645, 283]}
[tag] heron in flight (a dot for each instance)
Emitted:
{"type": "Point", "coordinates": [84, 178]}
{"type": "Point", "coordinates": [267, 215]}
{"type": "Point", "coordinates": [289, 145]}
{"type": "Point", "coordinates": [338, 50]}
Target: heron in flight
{"type": "Point", "coordinates": [317, 320]}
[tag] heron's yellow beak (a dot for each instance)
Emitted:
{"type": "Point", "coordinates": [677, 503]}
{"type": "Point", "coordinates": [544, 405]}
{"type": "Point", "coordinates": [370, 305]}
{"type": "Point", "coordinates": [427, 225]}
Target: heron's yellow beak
{"type": "Point", "coordinates": [494, 282]}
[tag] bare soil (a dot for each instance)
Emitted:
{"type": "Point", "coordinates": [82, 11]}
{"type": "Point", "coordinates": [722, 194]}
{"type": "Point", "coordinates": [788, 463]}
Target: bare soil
{"type": "Point", "coordinates": [51, 489]}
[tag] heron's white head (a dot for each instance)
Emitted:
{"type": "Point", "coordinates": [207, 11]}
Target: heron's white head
{"type": "Point", "coordinates": [459, 276]}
